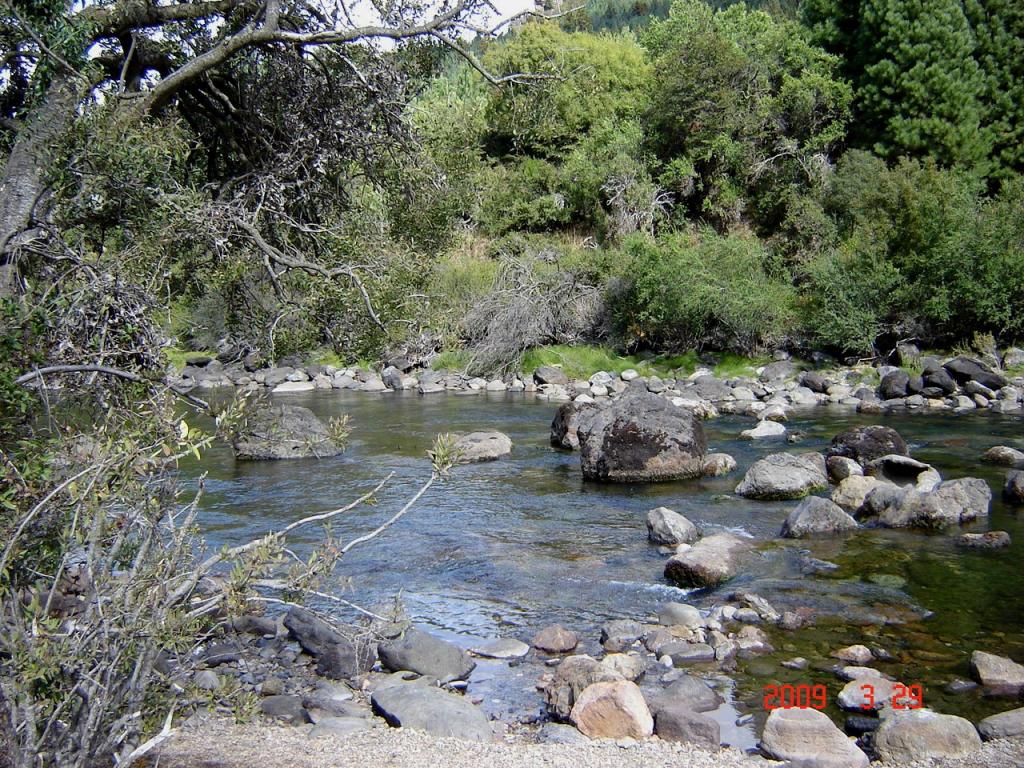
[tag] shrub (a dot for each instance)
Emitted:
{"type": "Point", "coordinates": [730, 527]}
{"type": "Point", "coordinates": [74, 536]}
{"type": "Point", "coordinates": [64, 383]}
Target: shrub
{"type": "Point", "coordinates": [700, 289]}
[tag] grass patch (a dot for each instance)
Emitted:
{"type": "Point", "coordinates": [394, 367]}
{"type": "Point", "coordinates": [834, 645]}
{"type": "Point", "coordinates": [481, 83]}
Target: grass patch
{"type": "Point", "coordinates": [176, 356]}
{"type": "Point", "coordinates": [732, 366]}
{"type": "Point", "coordinates": [451, 360]}
{"type": "Point", "coordinates": [583, 361]}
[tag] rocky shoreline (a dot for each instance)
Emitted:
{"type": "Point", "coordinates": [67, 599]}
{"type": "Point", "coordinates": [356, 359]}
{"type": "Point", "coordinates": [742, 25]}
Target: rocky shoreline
{"type": "Point", "coordinates": [959, 384]}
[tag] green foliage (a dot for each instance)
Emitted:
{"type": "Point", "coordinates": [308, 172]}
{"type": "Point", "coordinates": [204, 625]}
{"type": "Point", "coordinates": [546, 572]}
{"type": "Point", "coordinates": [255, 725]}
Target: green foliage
{"type": "Point", "coordinates": [999, 34]}
{"type": "Point", "coordinates": [572, 81]}
{"type": "Point", "coordinates": [744, 103]}
{"type": "Point", "coordinates": [582, 361]}
{"type": "Point", "coordinates": [922, 253]}
{"type": "Point", "coordinates": [690, 290]}
{"type": "Point", "coordinates": [933, 78]}
{"type": "Point", "coordinates": [921, 85]}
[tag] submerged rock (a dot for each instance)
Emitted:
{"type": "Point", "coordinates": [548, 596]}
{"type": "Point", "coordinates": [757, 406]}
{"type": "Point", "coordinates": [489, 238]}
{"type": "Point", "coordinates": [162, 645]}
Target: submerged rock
{"type": "Point", "coordinates": [815, 516]}
{"type": "Point", "coordinates": [1013, 488]}
{"type": "Point", "coordinates": [864, 444]}
{"type": "Point", "coordinates": [910, 736]}
{"type": "Point", "coordinates": [284, 432]}
{"type": "Point", "coordinates": [808, 738]}
{"type": "Point", "coordinates": [987, 540]}
{"type": "Point", "coordinates": [711, 561]}
{"type": "Point", "coordinates": [642, 437]}
{"type": "Point", "coordinates": [482, 446]}
{"type": "Point", "coordinates": [784, 476]}
{"type": "Point", "coordinates": [1004, 456]}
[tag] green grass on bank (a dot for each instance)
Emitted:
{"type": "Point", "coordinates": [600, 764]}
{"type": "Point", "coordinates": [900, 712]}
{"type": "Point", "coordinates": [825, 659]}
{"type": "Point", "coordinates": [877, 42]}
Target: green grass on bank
{"type": "Point", "coordinates": [580, 362]}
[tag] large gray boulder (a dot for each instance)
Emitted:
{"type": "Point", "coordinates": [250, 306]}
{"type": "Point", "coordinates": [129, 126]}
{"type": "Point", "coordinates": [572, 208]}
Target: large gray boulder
{"type": "Point", "coordinates": [424, 708]}
{"type": "Point", "coordinates": [337, 656]}
{"type": "Point", "coordinates": [482, 446]}
{"type": "Point", "coordinates": [565, 425]}
{"type": "Point", "coordinates": [1005, 725]}
{"type": "Point", "coordinates": [688, 692]}
{"type": "Point", "coordinates": [710, 562]}
{"type": "Point", "coordinates": [808, 738]}
{"type": "Point", "coordinates": [612, 710]}
{"type": "Point", "coordinates": [894, 385]}
{"type": "Point", "coordinates": [1000, 676]}
{"type": "Point", "coordinates": [784, 476]}
{"type": "Point", "coordinates": [669, 528]}
{"type": "Point", "coordinates": [642, 437]}
{"type": "Point", "coordinates": [965, 369]}
{"type": "Point", "coordinates": [952, 503]}
{"type": "Point", "coordinates": [427, 655]}
{"type": "Point", "coordinates": [815, 516]}
{"type": "Point", "coordinates": [675, 722]}
{"type": "Point", "coordinates": [549, 374]}
{"type": "Point", "coordinates": [910, 737]}
{"type": "Point", "coordinates": [282, 431]}
{"type": "Point", "coordinates": [864, 444]}
{"type": "Point", "coordinates": [899, 470]}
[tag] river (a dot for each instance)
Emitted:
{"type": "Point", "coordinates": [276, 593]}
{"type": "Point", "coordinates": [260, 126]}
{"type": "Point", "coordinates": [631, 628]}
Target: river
{"type": "Point", "coordinates": [507, 547]}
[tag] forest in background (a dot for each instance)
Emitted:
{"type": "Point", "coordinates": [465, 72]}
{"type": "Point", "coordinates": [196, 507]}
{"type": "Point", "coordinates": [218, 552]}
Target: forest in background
{"type": "Point", "coordinates": [838, 176]}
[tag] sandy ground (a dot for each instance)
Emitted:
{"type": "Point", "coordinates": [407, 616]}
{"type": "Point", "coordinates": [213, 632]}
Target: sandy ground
{"type": "Point", "coordinates": [219, 744]}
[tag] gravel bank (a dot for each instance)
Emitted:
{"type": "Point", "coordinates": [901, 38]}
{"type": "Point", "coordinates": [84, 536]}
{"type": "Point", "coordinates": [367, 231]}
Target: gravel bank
{"type": "Point", "coordinates": [218, 744]}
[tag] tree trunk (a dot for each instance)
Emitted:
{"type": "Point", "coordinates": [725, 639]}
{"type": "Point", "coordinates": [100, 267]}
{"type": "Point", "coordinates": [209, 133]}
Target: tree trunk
{"type": "Point", "coordinates": [22, 181]}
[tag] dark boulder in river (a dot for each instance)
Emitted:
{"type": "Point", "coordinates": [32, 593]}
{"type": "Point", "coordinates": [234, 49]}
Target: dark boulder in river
{"type": "Point", "coordinates": [284, 432]}
{"type": "Point", "coordinates": [864, 444]}
{"type": "Point", "coordinates": [642, 438]}
{"type": "Point", "coordinates": [565, 425]}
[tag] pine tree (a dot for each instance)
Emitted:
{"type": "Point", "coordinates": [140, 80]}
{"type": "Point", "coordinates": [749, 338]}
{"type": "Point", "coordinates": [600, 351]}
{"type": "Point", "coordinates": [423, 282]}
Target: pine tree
{"type": "Point", "coordinates": [999, 30]}
{"type": "Point", "coordinates": [921, 87]}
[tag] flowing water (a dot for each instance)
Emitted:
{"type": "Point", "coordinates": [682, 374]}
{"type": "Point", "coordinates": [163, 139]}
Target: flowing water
{"type": "Point", "coordinates": [507, 547]}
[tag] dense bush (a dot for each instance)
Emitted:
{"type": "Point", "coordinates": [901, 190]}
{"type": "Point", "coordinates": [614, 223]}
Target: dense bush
{"type": "Point", "coordinates": [922, 253]}
{"type": "Point", "coordinates": [687, 290]}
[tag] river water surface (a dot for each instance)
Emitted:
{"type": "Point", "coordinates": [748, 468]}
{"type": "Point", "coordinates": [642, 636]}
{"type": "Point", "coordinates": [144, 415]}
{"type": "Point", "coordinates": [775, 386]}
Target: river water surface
{"type": "Point", "coordinates": [507, 547]}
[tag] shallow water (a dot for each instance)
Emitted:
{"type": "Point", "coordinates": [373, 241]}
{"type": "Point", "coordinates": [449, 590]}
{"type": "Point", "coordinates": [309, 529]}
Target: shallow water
{"type": "Point", "coordinates": [507, 547]}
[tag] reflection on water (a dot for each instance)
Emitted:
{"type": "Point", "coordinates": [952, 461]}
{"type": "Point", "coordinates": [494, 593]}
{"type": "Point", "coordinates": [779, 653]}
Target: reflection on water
{"type": "Point", "coordinates": [507, 547]}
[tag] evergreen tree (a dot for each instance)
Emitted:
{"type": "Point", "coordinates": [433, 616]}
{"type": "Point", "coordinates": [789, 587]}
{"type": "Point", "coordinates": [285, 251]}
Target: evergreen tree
{"type": "Point", "coordinates": [999, 30]}
{"type": "Point", "coordinates": [921, 87]}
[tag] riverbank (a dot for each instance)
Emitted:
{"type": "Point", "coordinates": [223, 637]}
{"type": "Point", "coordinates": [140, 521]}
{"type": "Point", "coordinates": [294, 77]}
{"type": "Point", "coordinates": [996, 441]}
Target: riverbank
{"type": "Point", "coordinates": [221, 744]}
{"type": "Point", "coordinates": [921, 383]}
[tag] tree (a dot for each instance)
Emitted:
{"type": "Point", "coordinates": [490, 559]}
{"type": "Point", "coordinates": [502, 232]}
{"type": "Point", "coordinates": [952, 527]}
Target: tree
{"type": "Point", "coordinates": [143, 58]}
{"type": "Point", "coordinates": [921, 85]}
{"type": "Point", "coordinates": [744, 110]}
{"type": "Point", "coordinates": [582, 79]}
{"type": "Point", "coordinates": [932, 77]}
{"type": "Point", "coordinates": [999, 31]}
